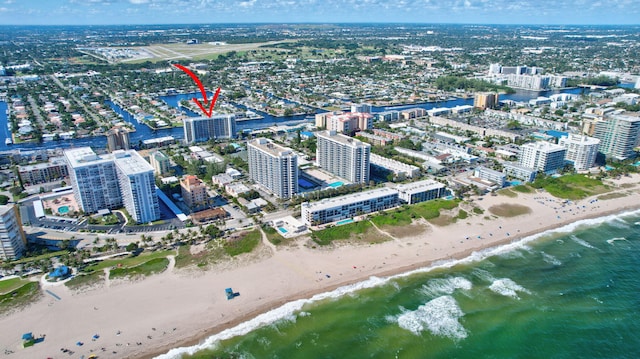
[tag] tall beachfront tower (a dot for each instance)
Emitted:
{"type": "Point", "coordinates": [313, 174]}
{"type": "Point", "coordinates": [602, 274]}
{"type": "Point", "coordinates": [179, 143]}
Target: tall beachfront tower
{"type": "Point", "coordinates": [542, 156]}
{"type": "Point", "coordinates": [273, 166]}
{"type": "Point", "coordinates": [12, 240]}
{"type": "Point", "coordinates": [94, 179]}
{"type": "Point", "coordinates": [137, 186]}
{"type": "Point", "coordinates": [201, 129]}
{"type": "Point", "coordinates": [581, 150]}
{"type": "Point", "coordinates": [121, 178]}
{"type": "Point", "coordinates": [618, 136]}
{"type": "Point", "coordinates": [343, 156]}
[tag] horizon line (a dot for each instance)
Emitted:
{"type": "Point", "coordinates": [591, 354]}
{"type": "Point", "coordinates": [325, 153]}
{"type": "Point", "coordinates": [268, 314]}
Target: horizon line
{"type": "Point", "coordinates": [332, 23]}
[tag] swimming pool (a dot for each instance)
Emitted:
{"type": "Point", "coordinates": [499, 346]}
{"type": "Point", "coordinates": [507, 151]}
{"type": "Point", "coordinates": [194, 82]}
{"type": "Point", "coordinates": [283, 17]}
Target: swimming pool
{"type": "Point", "coordinates": [282, 230]}
{"type": "Point", "coordinates": [336, 184]}
{"type": "Point", "coordinates": [344, 221]}
{"type": "Point", "coordinates": [63, 209]}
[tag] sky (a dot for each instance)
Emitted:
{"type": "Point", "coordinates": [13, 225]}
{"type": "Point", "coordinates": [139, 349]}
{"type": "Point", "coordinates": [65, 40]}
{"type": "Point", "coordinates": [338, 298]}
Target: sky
{"type": "Point", "coordinates": [111, 12]}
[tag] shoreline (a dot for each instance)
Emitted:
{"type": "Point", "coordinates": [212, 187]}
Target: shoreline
{"type": "Point", "coordinates": [427, 266]}
{"type": "Point", "coordinates": [182, 308]}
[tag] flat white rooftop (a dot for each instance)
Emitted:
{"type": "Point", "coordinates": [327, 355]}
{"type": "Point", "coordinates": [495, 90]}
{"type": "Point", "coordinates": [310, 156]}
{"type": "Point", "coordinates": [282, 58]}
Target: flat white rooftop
{"type": "Point", "coordinates": [419, 186]}
{"type": "Point", "coordinates": [84, 156]}
{"type": "Point", "coordinates": [350, 198]}
{"type": "Point", "coordinates": [273, 149]}
{"type": "Point", "coordinates": [130, 162]}
{"type": "Point", "coordinates": [342, 139]}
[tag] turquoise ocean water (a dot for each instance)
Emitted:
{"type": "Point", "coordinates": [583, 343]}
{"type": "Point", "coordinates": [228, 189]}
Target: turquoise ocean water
{"type": "Point", "coordinates": [569, 293]}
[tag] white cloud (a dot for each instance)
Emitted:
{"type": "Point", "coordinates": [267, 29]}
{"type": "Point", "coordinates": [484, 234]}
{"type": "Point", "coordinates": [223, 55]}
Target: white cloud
{"type": "Point", "coordinates": [247, 4]}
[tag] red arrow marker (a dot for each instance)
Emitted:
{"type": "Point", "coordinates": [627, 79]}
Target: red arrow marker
{"type": "Point", "coordinates": [202, 90]}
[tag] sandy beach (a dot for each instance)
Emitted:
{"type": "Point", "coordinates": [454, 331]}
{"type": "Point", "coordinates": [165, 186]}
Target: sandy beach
{"type": "Point", "coordinates": [148, 317]}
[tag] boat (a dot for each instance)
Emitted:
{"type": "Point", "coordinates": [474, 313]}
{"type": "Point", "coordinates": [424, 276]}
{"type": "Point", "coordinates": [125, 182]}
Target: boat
{"type": "Point", "coordinates": [8, 141]}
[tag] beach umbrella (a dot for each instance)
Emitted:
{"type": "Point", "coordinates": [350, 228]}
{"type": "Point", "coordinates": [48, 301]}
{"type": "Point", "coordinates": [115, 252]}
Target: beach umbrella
{"type": "Point", "coordinates": [27, 336]}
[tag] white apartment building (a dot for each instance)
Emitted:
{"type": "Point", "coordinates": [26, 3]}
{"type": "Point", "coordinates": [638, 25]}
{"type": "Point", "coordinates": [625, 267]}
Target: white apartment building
{"type": "Point", "coordinates": [348, 206]}
{"type": "Point", "coordinates": [122, 178]}
{"type": "Point", "coordinates": [514, 170]}
{"type": "Point", "coordinates": [201, 129]}
{"type": "Point", "coordinates": [137, 186]}
{"type": "Point", "coordinates": [618, 136]}
{"type": "Point", "coordinates": [490, 175]}
{"type": "Point", "coordinates": [581, 150]}
{"type": "Point", "coordinates": [361, 107]}
{"type": "Point", "coordinates": [12, 239]}
{"type": "Point", "coordinates": [94, 179]}
{"type": "Point", "coordinates": [420, 191]}
{"type": "Point", "coordinates": [343, 156]}
{"type": "Point", "coordinates": [542, 156]}
{"type": "Point", "coordinates": [273, 166]}
{"type": "Point", "coordinates": [529, 82]}
{"type": "Point", "coordinates": [399, 169]}
{"type": "Point", "coordinates": [160, 162]}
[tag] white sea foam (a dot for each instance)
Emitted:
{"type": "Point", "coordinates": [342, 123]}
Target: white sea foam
{"type": "Point", "coordinates": [439, 316]}
{"type": "Point", "coordinates": [294, 306]}
{"type": "Point", "coordinates": [581, 241]}
{"type": "Point", "coordinates": [619, 222]}
{"type": "Point", "coordinates": [550, 259]}
{"type": "Point", "coordinates": [483, 275]}
{"type": "Point", "coordinates": [610, 241]}
{"type": "Point", "coordinates": [439, 286]}
{"type": "Point", "coordinates": [507, 287]}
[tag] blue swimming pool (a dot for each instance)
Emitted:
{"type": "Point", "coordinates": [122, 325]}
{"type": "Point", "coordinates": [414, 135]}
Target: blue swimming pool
{"type": "Point", "coordinates": [336, 184]}
{"type": "Point", "coordinates": [63, 209]}
{"type": "Point", "coordinates": [282, 230]}
{"type": "Point", "coordinates": [344, 221]}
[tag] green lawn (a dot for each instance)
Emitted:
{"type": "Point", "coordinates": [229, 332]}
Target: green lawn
{"type": "Point", "coordinates": [126, 261]}
{"type": "Point", "coordinates": [507, 192]}
{"type": "Point", "coordinates": [328, 235]}
{"type": "Point", "coordinates": [431, 209]}
{"type": "Point", "coordinates": [153, 266]}
{"type": "Point", "coordinates": [42, 256]}
{"type": "Point", "coordinates": [84, 280]}
{"type": "Point", "coordinates": [11, 284]}
{"type": "Point", "coordinates": [272, 235]}
{"type": "Point", "coordinates": [20, 296]}
{"type": "Point", "coordinates": [393, 218]}
{"type": "Point", "coordinates": [244, 244]}
{"type": "Point", "coordinates": [523, 189]}
{"type": "Point", "coordinates": [575, 186]}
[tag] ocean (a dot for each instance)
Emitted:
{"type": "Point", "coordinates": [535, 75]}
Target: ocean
{"type": "Point", "coordinates": [573, 292]}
